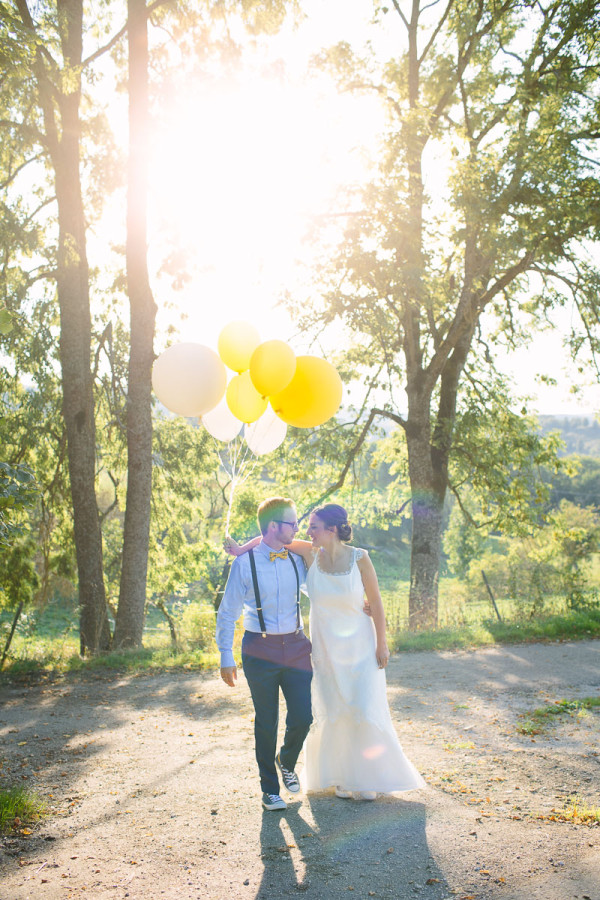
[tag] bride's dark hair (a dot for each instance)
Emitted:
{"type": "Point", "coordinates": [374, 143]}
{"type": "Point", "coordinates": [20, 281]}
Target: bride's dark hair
{"type": "Point", "coordinates": [332, 515]}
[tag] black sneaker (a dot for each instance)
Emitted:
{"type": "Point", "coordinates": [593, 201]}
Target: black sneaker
{"type": "Point", "coordinates": [290, 779]}
{"type": "Point", "coordinates": [273, 801]}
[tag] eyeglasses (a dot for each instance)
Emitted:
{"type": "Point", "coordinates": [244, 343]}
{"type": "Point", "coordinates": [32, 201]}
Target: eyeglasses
{"type": "Point", "coordinates": [284, 522]}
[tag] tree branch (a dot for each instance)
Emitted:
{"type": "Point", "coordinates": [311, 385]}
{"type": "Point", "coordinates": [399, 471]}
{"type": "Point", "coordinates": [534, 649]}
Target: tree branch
{"type": "Point", "coordinates": [120, 34]}
{"type": "Point", "coordinates": [354, 452]}
{"type": "Point", "coordinates": [401, 14]}
{"type": "Point", "coordinates": [466, 316]}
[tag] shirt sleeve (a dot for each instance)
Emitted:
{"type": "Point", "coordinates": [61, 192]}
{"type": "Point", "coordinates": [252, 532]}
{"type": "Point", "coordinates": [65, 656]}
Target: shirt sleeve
{"type": "Point", "coordinates": [229, 612]}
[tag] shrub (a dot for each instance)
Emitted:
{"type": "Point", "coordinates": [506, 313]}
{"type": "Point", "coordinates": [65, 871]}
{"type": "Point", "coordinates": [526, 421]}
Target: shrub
{"type": "Point", "coordinates": [196, 625]}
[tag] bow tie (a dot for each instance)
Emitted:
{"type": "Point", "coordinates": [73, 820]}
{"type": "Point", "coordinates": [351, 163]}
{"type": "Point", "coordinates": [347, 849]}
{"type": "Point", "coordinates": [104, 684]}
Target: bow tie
{"type": "Point", "coordinates": [282, 555]}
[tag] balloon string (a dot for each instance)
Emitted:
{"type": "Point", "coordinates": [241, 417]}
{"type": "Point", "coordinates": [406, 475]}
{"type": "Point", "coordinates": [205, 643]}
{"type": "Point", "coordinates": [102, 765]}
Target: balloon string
{"type": "Point", "coordinates": [236, 462]}
{"type": "Point", "coordinates": [232, 452]}
{"type": "Point", "coordinates": [229, 507]}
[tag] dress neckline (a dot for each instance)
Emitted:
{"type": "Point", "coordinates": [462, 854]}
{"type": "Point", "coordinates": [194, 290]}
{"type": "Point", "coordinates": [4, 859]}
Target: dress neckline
{"type": "Point", "coordinates": [345, 572]}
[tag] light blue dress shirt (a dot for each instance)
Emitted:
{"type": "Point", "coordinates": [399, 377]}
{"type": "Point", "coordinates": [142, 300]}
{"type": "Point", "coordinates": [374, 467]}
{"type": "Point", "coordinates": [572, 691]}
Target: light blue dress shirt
{"type": "Point", "coordinates": [277, 585]}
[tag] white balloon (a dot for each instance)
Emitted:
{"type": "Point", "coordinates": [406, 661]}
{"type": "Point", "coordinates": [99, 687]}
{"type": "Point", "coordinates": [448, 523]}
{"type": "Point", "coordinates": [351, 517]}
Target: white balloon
{"type": "Point", "coordinates": [266, 434]}
{"type": "Point", "coordinates": [221, 422]}
{"type": "Point", "coordinates": [189, 379]}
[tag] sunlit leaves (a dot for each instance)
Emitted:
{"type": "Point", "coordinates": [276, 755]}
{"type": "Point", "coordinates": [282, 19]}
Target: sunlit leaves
{"type": "Point", "coordinates": [17, 490]}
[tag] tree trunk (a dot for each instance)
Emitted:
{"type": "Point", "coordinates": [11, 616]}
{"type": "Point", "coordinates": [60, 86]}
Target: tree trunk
{"type": "Point", "coordinates": [132, 595]}
{"type": "Point", "coordinates": [427, 502]}
{"type": "Point", "coordinates": [428, 492]}
{"type": "Point", "coordinates": [75, 342]}
{"type": "Point", "coordinates": [425, 556]}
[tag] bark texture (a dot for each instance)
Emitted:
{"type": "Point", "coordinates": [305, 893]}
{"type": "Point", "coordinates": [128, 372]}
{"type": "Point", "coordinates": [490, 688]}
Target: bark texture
{"type": "Point", "coordinates": [132, 595]}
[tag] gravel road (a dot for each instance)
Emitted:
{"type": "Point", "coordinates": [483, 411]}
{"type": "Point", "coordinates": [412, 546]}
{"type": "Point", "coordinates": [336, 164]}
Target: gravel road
{"type": "Point", "coordinates": [153, 793]}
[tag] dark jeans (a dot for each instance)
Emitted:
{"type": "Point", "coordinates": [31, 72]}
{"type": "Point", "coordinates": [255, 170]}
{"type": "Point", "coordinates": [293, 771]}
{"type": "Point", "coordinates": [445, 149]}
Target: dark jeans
{"type": "Point", "coordinates": [273, 662]}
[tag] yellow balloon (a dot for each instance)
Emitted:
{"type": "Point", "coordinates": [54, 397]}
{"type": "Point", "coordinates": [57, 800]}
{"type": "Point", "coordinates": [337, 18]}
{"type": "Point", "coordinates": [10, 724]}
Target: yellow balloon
{"type": "Point", "coordinates": [237, 342]}
{"type": "Point", "coordinates": [313, 395]}
{"type": "Point", "coordinates": [243, 399]}
{"type": "Point", "coordinates": [272, 367]}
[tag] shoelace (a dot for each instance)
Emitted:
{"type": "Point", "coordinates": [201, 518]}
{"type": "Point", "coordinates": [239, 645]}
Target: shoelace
{"type": "Point", "coordinates": [287, 775]}
{"type": "Point", "coordinates": [273, 797]}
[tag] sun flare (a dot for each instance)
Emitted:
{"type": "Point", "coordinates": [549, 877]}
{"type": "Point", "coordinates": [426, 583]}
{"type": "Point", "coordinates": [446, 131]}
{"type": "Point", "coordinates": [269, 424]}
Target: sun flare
{"type": "Point", "coordinates": [238, 172]}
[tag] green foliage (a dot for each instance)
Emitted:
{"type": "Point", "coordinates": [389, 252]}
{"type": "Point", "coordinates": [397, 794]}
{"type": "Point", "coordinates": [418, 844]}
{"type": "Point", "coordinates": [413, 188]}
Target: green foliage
{"type": "Point", "coordinates": [17, 491]}
{"type": "Point", "coordinates": [553, 560]}
{"type": "Point", "coordinates": [197, 622]}
{"type": "Point", "coordinates": [580, 484]}
{"type": "Point", "coordinates": [19, 579]}
{"type": "Point", "coordinates": [499, 455]}
{"type": "Point", "coordinates": [6, 325]}
{"type": "Point", "coordinates": [463, 541]}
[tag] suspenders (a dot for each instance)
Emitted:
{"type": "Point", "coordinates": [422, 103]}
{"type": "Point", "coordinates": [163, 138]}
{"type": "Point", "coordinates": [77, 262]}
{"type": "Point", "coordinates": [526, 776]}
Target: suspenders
{"type": "Point", "coordinates": [261, 618]}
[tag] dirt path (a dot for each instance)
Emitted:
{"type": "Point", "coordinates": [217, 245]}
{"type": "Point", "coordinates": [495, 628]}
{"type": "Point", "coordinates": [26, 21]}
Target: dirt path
{"type": "Point", "coordinates": [153, 786]}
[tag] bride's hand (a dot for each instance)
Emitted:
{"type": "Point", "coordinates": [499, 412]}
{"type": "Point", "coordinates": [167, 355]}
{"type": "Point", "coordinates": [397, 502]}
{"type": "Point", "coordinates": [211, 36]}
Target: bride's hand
{"type": "Point", "coordinates": [382, 655]}
{"type": "Point", "coordinates": [231, 546]}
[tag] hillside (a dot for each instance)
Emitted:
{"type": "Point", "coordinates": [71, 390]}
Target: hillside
{"type": "Point", "coordinates": [581, 434]}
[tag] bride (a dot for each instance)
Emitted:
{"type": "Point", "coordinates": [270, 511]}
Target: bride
{"type": "Point", "coordinates": [352, 745]}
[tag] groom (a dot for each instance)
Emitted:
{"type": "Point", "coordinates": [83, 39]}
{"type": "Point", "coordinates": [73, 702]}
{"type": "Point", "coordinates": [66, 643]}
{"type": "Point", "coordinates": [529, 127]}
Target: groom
{"type": "Point", "coordinates": [265, 584]}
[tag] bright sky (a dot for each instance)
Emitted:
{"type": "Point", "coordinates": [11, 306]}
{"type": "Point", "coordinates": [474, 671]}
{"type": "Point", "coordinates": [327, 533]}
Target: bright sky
{"type": "Point", "coordinates": [237, 182]}
{"type": "Point", "coordinates": [253, 161]}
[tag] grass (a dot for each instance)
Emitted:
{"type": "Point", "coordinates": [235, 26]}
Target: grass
{"type": "Point", "coordinates": [459, 745]}
{"type": "Point", "coordinates": [566, 626]}
{"type": "Point", "coordinates": [47, 640]}
{"type": "Point", "coordinates": [577, 811]}
{"type": "Point", "coordinates": [19, 808]}
{"type": "Point", "coordinates": [537, 721]}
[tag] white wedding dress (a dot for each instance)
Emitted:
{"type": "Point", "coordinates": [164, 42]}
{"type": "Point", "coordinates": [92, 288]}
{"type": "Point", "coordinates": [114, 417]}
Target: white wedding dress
{"type": "Point", "coordinates": [352, 743]}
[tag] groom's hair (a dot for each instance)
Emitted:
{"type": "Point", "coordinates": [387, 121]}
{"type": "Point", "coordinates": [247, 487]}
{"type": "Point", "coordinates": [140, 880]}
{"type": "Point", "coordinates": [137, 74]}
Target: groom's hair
{"type": "Point", "coordinates": [272, 509]}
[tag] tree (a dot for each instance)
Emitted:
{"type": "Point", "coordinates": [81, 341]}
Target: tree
{"type": "Point", "coordinates": [129, 624]}
{"type": "Point", "coordinates": [431, 274]}
{"type": "Point", "coordinates": [56, 59]}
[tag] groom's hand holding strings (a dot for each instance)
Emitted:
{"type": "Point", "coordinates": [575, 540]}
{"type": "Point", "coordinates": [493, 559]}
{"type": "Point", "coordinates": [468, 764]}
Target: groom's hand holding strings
{"type": "Point", "coordinates": [229, 675]}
